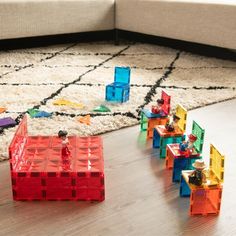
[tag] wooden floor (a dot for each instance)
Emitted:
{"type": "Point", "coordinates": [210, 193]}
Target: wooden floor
{"type": "Point", "coordinates": [140, 197]}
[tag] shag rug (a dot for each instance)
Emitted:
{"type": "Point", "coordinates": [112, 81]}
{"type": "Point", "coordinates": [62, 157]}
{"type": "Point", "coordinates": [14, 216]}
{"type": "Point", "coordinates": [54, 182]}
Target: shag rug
{"type": "Point", "coordinates": [36, 77]}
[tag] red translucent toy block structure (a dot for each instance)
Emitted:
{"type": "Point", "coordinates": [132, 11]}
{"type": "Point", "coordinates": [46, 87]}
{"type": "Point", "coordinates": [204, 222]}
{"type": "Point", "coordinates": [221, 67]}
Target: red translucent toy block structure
{"type": "Point", "coordinates": [205, 199]}
{"type": "Point", "coordinates": [37, 170]}
{"type": "Point", "coordinates": [149, 120]}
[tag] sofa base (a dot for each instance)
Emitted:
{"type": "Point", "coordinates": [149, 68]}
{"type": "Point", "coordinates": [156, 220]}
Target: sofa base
{"type": "Point", "coordinates": [41, 41]}
{"type": "Point", "coordinates": [196, 48]}
{"type": "Point", "coordinates": [117, 36]}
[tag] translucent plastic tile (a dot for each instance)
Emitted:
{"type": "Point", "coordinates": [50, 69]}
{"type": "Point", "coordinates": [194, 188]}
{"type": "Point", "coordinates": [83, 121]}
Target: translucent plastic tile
{"type": "Point", "coordinates": [217, 163]}
{"type": "Point", "coordinates": [200, 133]}
{"type": "Point", "coordinates": [181, 112]}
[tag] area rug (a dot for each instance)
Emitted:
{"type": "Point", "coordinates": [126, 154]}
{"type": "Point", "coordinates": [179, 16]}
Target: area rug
{"type": "Point", "coordinates": [36, 77]}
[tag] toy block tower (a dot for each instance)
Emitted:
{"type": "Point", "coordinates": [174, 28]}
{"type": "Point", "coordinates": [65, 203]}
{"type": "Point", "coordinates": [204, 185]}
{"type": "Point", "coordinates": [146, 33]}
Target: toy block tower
{"type": "Point", "coordinates": [162, 136]}
{"type": "Point", "coordinates": [149, 120]}
{"type": "Point", "coordinates": [205, 199]}
{"type": "Point", "coordinates": [38, 173]}
{"type": "Point", "coordinates": [183, 160]}
{"type": "Point", "coordinates": [119, 90]}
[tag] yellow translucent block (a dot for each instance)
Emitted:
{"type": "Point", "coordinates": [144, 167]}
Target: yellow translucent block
{"type": "Point", "coordinates": [211, 180]}
{"type": "Point", "coordinates": [217, 163]}
{"type": "Point", "coordinates": [63, 102]}
{"type": "Point", "coordinates": [181, 112]}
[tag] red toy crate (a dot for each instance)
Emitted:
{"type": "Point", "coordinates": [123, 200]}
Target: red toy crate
{"type": "Point", "coordinates": [37, 173]}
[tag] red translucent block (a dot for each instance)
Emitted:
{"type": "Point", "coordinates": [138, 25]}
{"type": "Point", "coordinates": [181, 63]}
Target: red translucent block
{"type": "Point", "coordinates": [166, 106]}
{"type": "Point", "coordinates": [38, 173]}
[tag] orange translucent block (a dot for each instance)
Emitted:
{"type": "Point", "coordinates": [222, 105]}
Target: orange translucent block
{"type": "Point", "coordinates": [37, 170]}
{"type": "Point", "coordinates": [206, 199]}
{"type": "Point", "coordinates": [154, 122]}
{"type": "Point", "coordinates": [85, 119]}
{"type": "Point", "coordinates": [2, 109]}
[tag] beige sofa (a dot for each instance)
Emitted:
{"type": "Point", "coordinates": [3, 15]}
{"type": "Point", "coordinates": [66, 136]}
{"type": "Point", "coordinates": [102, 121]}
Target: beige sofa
{"type": "Point", "coordinates": [28, 18]}
{"type": "Point", "coordinates": [211, 22]}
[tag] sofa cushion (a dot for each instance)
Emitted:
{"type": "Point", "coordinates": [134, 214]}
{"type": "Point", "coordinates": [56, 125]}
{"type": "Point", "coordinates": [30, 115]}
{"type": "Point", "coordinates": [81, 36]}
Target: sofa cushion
{"type": "Point", "coordinates": [27, 18]}
{"type": "Point", "coordinates": [210, 22]}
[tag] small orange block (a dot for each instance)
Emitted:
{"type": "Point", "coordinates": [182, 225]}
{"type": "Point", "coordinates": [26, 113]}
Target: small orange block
{"type": "Point", "coordinates": [2, 109]}
{"type": "Point", "coordinates": [84, 119]}
{"type": "Point", "coordinates": [152, 123]}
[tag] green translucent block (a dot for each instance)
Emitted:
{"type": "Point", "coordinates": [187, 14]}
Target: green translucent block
{"type": "Point", "coordinates": [32, 112]}
{"type": "Point", "coordinates": [101, 108]}
{"type": "Point", "coordinates": [168, 140]}
{"type": "Point", "coordinates": [199, 132]}
{"type": "Point", "coordinates": [144, 122]}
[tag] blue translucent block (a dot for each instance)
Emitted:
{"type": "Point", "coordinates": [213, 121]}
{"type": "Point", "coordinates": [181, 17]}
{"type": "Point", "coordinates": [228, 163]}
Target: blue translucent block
{"type": "Point", "coordinates": [43, 114]}
{"type": "Point", "coordinates": [150, 115]}
{"type": "Point", "coordinates": [162, 152]}
{"type": "Point", "coordinates": [117, 92]}
{"type": "Point", "coordinates": [122, 75]}
{"type": "Point", "coordinates": [156, 139]}
{"type": "Point", "coordinates": [182, 164]}
{"type": "Point", "coordinates": [179, 165]}
{"type": "Point", "coordinates": [159, 141]}
{"type": "Point", "coordinates": [185, 191]}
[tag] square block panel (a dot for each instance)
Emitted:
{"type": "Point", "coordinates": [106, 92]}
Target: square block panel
{"type": "Point", "coordinates": [116, 93]}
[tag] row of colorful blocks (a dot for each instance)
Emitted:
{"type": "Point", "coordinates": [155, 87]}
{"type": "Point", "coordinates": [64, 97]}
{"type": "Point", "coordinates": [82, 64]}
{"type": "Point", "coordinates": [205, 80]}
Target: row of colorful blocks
{"type": "Point", "coordinates": [206, 199]}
